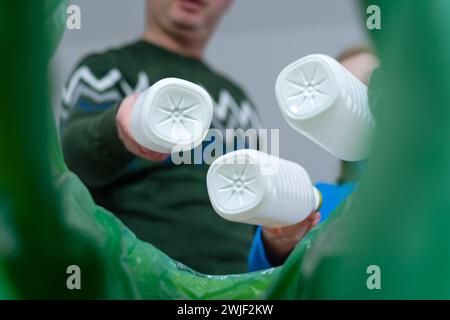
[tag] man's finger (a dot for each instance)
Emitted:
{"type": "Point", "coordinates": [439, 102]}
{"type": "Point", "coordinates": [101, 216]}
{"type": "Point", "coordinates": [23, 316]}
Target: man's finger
{"type": "Point", "coordinates": [312, 216]}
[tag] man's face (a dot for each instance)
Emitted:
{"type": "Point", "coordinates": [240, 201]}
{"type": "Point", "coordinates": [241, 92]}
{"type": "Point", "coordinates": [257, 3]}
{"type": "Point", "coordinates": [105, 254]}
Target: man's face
{"type": "Point", "coordinates": [187, 15]}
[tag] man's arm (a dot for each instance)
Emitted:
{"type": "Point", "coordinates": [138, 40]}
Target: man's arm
{"type": "Point", "coordinates": [272, 246]}
{"type": "Point", "coordinates": [92, 147]}
{"type": "Point", "coordinates": [96, 137]}
{"type": "Point", "coordinates": [279, 242]}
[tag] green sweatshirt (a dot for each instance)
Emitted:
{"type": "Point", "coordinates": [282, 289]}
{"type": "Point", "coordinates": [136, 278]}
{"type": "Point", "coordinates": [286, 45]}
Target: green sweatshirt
{"type": "Point", "coordinates": [164, 204]}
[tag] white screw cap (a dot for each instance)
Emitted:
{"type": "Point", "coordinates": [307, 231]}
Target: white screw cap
{"type": "Point", "coordinates": [172, 115]}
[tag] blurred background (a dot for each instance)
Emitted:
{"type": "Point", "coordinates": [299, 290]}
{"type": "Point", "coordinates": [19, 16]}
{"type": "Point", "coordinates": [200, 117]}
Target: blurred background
{"type": "Point", "coordinates": [255, 41]}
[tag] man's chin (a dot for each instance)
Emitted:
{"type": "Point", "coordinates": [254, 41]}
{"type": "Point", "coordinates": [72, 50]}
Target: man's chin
{"type": "Point", "coordinates": [188, 21]}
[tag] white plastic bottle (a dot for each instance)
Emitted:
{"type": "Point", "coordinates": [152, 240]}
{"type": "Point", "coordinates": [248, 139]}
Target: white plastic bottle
{"type": "Point", "coordinates": [171, 115]}
{"type": "Point", "coordinates": [323, 101]}
{"type": "Point", "coordinates": [253, 187]}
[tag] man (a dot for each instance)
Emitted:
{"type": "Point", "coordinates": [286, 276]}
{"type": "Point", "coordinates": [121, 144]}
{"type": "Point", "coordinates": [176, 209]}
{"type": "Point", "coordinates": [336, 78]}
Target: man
{"type": "Point", "coordinates": [360, 61]}
{"type": "Point", "coordinates": [164, 204]}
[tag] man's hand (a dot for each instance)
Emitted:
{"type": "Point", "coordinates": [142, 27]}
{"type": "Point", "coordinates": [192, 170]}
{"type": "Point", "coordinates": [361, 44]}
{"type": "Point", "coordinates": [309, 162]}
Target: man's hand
{"type": "Point", "coordinates": [279, 242]}
{"type": "Point", "coordinates": [123, 118]}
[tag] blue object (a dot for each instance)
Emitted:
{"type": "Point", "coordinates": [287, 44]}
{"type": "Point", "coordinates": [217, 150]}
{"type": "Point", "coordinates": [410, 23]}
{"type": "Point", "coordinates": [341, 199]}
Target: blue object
{"type": "Point", "coordinates": [332, 194]}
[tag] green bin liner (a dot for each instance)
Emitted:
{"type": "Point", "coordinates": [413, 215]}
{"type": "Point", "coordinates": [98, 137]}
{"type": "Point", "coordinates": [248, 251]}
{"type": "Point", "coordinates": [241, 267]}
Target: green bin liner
{"type": "Point", "coordinates": [399, 217]}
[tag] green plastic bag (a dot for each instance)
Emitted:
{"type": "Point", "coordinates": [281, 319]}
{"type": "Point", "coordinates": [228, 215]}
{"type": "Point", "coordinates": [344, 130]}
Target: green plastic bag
{"type": "Point", "coordinates": [398, 219]}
